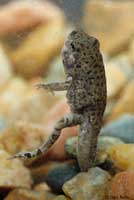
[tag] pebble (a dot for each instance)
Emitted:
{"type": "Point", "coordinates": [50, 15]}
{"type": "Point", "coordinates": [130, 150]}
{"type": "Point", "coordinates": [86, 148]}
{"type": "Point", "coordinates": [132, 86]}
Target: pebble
{"type": "Point", "coordinates": [22, 136]}
{"type": "Point", "coordinates": [131, 53]}
{"type": "Point", "coordinates": [104, 144]}
{"type": "Point", "coordinates": [12, 96]}
{"type": "Point", "coordinates": [125, 103]}
{"type": "Point", "coordinates": [54, 174]}
{"type": "Point", "coordinates": [122, 155]}
{"type": "Point", "coordinates": [5, 69]}
{"type": "Point", "coordinates": [93, 184]}
{"type": "Point", "coordinates": [20, 100]}
{"type": "Point", "coordinates": [41, 187]}
{"type": "Point", "coordinates": [3, 124]}
{"type": "Point", "coordinates": [122, 186]}
{"type": "Point", "coordinates": [114, 18]}
{"type": "Point", "coordinates": [60, 174]}
{"type": "Point", "coordinates": [34, 105]}
{"type": "Point", "coordinates": [39, 171]}
{"type": "Point", "coordinates": [113, 75]}
{"type": "Point", "coordinates": [117, 68]}
{"type": "Point", "coordinates": [46, 42]}
{"type": "Point", "coordinates": [19, 16]}
{"type": "Point", "coordinates": [9, 171]}
{"type": "Point", "coordinates": [122, 128]}
{"type": "Point", "coordinates": [25, 194]}
{"type": "Point", "coordinates": [56, 72]}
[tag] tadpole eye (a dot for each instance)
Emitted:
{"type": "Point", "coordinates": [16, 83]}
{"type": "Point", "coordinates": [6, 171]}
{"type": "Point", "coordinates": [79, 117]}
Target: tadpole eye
{"type": "Point", "coordinates": [28, 155]}
{"type": "Point", "coordinates": [72, 45]}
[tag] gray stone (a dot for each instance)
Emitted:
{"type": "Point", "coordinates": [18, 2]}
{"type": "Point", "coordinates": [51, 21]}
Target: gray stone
{"type": "Point", "coordinates": [93, 185]}
{"type": "Point", "coordinates": [122, 128]}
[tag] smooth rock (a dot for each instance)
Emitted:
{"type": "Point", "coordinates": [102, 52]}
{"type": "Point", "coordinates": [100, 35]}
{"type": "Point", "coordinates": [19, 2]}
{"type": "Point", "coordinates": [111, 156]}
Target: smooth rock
{"type": "Point", "coordinates": [20, 100]}
{"type": "Point", "coordinates": [122, 128]}
{"type": "Point", "coordinates": [55, 174]}
{"type": "Point", "coordinates": [5, 69]}
{"type": "Point", "coordinates": [25, 194]}
{"type": "Point", "coordinates": [122, 156]}
{"type": "Point", "coordinates": [131, 53]}
{"type": "Point", "coordinates": [39, 171]}
{"type": "Point", "coordinates": [59, 175]}
{"type": "Point", "coordinates": [19, 16]}
{"type": "Point", "coordinates": [41, 187]}
{"type": "Point", "coordinates": [113, 75]}
{"type": "Point", "coordinates": [18, 19]}
{"type": "Point", "coordinates": [111, 23]}
{"type": "Point", "coordinates": [124, 62]}
{"type": "Point", "coordinates": [46, 40]}
{"type": "Point", "coordinates": [104, 143]}
{"type": "Point", "coordinates": [22, 136]}
{"type": "Point", "coordinates": [13, 173]}
{"type": "Point", "coordinates": [125, 104]}
{"type": "Point", "coordinates": [93, 184]}
{"type": "Point", "coordinates": [3, 124]}
{"type": "Point", "coordinates": [122, 186]}
{"type": "Point", "coordinates": [117, 68]}
{"type": "Point", "coordinates": [35, 104]}
{"type": "Point", "coordinates": [12, 95]}
{"type": "Point", "coordinates": [56, 72]}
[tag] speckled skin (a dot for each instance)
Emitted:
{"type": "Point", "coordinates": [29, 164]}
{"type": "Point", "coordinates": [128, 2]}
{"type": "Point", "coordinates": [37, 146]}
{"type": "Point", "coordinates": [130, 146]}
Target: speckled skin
{"type": "Point", "coordinates": [83, 62]}
{"type": "Point", "coordinates": [86, 95]}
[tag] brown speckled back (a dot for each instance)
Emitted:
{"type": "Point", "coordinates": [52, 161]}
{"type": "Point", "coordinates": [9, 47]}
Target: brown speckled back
{"type": "Point", "coordinates": [83, 62]}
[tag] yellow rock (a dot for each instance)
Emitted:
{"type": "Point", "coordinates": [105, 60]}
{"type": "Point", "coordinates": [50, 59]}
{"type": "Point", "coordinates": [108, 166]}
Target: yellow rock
{"type": "Point", "coordinates": [13, 173]}
{"type": "Point", "coordinates": [115, 79]}
{"type": "Point", "coordinates": [11, 96]}
{"type": "Point", "coordinates": [93, 185]}
{"type": "Point", "coordinates": [5, 69]}
{"type": "Point", "coordinates": [32, 57]}
{"type": "Point", "coordinates": [122, 155]}
{"type": "Point", "coordinates": [20, 16]}
{"type": "Point", "coordinates": [125, 104]}
{"type": "Point", "coordinates": [22, 136]}
{"type": "Point", "coordinates": [41, 187]}
{"type": "Point", "coordinates": [118, 73]}
{"type": "Point", "coordinates": [111, 22]}
{"type": "Point", "coordinates": [35, 104]}
{"type": "Point", "coordinates": [25, 194]}
{"type": "Point", "coordinates": [131, 53]}
{"type": "Point", "coordinates": [21, 100]}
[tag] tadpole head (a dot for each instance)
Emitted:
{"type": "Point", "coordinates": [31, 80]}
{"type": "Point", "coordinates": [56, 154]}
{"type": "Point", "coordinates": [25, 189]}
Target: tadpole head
{"type": "Point", "coordinates": [79, 52]}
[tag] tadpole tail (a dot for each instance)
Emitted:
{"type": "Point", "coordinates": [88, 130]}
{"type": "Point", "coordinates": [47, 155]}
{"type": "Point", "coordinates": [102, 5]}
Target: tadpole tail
{"type": "Point", "coordinates": [87, 144]}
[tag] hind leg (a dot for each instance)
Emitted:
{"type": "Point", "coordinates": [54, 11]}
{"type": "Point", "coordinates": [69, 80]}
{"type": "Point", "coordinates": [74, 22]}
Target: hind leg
{"type": "Point", "coordinates": [67, 121]}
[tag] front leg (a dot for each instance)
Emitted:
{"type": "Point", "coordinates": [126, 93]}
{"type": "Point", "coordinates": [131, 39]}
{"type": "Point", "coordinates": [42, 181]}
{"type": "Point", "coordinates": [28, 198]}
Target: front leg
{"type": "Point", "coordinates": [55, 86]}
{"type": "Point", "coordinates": [67, 121]}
